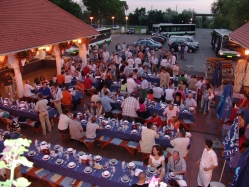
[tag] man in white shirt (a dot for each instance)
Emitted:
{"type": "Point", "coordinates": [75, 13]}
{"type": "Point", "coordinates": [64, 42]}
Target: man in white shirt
{"type": "Point", "coordinates": [57, 97]}
{"type": "Point", "coordinates": [130, 84]}
{"type": "Point", "coordinates": [208, 163]}
{"type": "Point", "coordinates": [144, 87]}
{"type": "Point", "coordinates": [28, 89]}
{"type": "Point", "coordinates": [158, 92]}
{"type": "Point", "coordinates": [105, 55]}
{"type": "Point", "coordinates": [198, 88]}
{"type": "Point", "coordinates": [154, 62]}
{"type": "Point", "coordinates": [180, 143]}
{"type": "Point", "coordinates": [190, 102]}
{"type": "Point", "coordinates": [140, 70]}
{"type": "Point", "coordinates": [64, 121]}
{"type": "Point", "coordinates": [169, 94]}
{"type": "Point", "coordinates": [171, 111]}
{"type": "Point", "coordinates": [173, 59]}
{"type": "Point", "coordinates": [130, 62]}
{"type": "Point", "coordinates": [137, 62]}
{"type": "Point", "coordinates": [164, 62]}
{"type": "Point", "coordinates": [123, 46]}
{"type": "Point", "coordinates": [68, 79]}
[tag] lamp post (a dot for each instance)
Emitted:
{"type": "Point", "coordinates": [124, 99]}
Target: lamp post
{"type": "Point", "coordinates": [192, 14]}
{"type": "Point", "coordinates": [113, 24]}
{"type": "Point", "coordinates": [91, 18]}
{"type": "Point", "coordinates": [126, 18]}
{"type": "Point", "coordinates": [191, 20]}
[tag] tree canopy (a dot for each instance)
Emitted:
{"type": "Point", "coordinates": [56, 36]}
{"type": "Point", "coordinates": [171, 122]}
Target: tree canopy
{"type": "Point", "coordinates": [230, 14]}
{"type": "Point", "coordinates": [106, 9]}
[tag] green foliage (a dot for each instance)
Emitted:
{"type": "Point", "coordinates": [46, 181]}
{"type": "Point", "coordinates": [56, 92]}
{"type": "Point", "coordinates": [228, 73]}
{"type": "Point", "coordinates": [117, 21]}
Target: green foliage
{"type": "Point", "coordinates": [105, 9]}
{"type": "Point", "coordinates": [14, 159]}
{"type": "Point", "coordinates": [230, 14]}
{"type": "Point", "coordinates": [69, 6]}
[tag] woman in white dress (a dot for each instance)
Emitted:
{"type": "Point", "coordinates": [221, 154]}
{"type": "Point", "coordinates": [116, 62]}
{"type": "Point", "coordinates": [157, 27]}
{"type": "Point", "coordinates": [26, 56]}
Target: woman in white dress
{"type": "Point", "coordinates": [157, 159]}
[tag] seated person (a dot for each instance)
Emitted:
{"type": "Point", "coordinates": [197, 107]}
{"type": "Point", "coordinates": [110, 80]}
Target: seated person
{"type": "Point", "coordinates": [176, 164]}
{"type": "Point", "coordinates": [64, 121]}
{"type": "Point", "coordinates": [243, 102]}
{"type": "Point", "coordinates": [60, 78]}
{"type": "Point", "coordinates": [190, 102]}
{"type": "Point", "coordinates": [182, 85]}
{"type": "Point", "coordinates": [45, 91]}
{"type": "Point", "coordinates": [242, 137]}
{"type": "Point", "coordinates": [13, 126]}
{"type": "Point", "coordinates": [141, 180]}
{"type": "Point", "coordinates": [100, 111]}
{"type": "Point", "coordinates": [173, 124]}
{"type": "Point", "coordinates": [92, 108]}
{"type": "Point", "coordinates": [157, 159]}
{"type": "Point", "coordinates": [150, 95]}
{"type": "Point", "coordinates": [173, 183]}
{"type": "Point", "coordinates": [43, 80]}
{"type": "Point", "coordinates": [180, 143]}
{"type": "Point", "coordinates": [156, 120]}
{"type": "Point", "coordinates": [68, 98]}
{"type": "Point", "coordinates": [158, 93]}
{"type": "Point", "coordinates": [106, 103]}
{"type": "Point", "coordinates": [181, 92]}
{"type": "Point", "coordinates": [241, 122]}
{"type": "Point", "coordinates": [68, 79]}
{"type": "Point", "coordinates": [88, 83]}
{"type": "Point", "coordinates": [28, 89]}
{"type": "Point", "coordinates": [136, 93]}
{"type": "Point", "coordinates": [178, 99]}
{"type": "Point", "coordinates": [75, 128]}
{"type": "Point", "coordinates": [80, 86]}
{"type": "Point", "coordinates": [142, 111]}
{"type": "Point", "coordinates": [91, 128]}
{"type": "Point", "coordinates": [104, 89]}
{"type": "Point", "coordinates": [123, 89]}
{"type": "Point", "coordinates": [148, 138]}
{"type": "Point", "coordinates": [95, 97]}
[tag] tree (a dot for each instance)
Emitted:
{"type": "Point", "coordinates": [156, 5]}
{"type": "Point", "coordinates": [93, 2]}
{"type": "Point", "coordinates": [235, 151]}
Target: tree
{"type": "Point", "coordinates": [69, 6]}
{"type": "Point", "coordinates": [101, 9]}
{"type": "Point", "coordinates": [169, 15]}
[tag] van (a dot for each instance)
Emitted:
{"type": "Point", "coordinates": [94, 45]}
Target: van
{"type": "Point", "coordinates": [188, 39]}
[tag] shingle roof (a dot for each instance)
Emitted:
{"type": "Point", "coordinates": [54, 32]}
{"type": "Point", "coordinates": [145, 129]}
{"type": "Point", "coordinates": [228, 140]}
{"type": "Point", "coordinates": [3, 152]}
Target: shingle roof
{"type": "Point", "coordinates": [26, 24]}
{"type": "Point", "coordinates": [241, 35]}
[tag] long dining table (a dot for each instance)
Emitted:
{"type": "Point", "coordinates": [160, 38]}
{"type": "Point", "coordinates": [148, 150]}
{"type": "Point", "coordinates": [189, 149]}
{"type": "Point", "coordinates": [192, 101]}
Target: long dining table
{"type": "Point", "coordinates": [95, 177]}
{"type": "Point", "coordinates": [12, 135]}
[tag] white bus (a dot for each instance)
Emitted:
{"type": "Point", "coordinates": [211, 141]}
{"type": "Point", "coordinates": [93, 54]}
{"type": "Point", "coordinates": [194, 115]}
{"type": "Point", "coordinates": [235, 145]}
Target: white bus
{"type": "Point", "coordinates": [173, 29]}
{"type": "Point", "coordinates": [104, 36]}
{"type": "Point", "coordinates": [223, 45]}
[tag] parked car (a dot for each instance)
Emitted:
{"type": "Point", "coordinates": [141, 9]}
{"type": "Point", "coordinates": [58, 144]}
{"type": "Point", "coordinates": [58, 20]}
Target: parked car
{"type": "Point", "coordinates": [149, 39]}
{"type": "Point", "coordinates": [164, 37]}
{"type": "Point", "coordinates": [174, 46]}
{"type": "Point", "coordinates": [131, 31]}
{"type": "Point", "coordinates": [158, 39]}
{"type": "Point", "coordinates": [151, 44]}
{"type": "Point", "coordinates": [115, 27]}
{"type": "Point", "coordinates": [188, 39]}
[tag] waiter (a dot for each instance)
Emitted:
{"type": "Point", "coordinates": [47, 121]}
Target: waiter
{"type": "Point", "coordinates": [208, 163]}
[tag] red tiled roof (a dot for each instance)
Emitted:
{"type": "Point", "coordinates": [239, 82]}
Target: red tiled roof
{"type": "Point", "coordinates": [241, 35]}
{"type": "Point", "coordinates": [27, 24]}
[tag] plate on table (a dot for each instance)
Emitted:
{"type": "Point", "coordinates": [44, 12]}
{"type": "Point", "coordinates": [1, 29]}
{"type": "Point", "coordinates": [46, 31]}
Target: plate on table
{"type": "Point", "coordinates": [46, 157]}
{"type": "Point", "coordinates": [163, 108]}
{"type": "Point", "coordinates": [113, 119]}
{"type": "Point", "coordinates": [151, 169]}
{"type": "Point", "coordinates": [70, 150]}
{"type": "Point", "coordinates": [31, 153]}
{"type": "Point", "coordinates": [131, 165]}
{"type": "Point", "coordinates": [125, 179]}
{"type": "Point", "coordinates": [98, 158]}
{"type": "Point", "coordinates": [119, 101]}
{"type": "Point", "coordinates": [56, 147]}
{"type": "Point", "coordinates": [104, 167]}
{"type": "Point", "coordinates": [171, 175]}
{"type": "Point", "coordinates": [108, 127]}
{"type": "Point", "coordinates": [59, 161]}
{"type": "Point", "coordinates": [83, 121]}
{"type": "Point", "coordinates": [125, 122]}
{"type": "Point", "coordinates": [88, 169]}
{"type": "Point", "coordinates": [101, 117]}
{"type": "Point", "coordinates": [106, 174]}
{"type": "Point", "coordinates": [113, 161]}
{"type": "Point", "coordinates": [71, 165]}
{"type": "Point", "coordinates": [81, 153]}
{"type": "Point", "coordinates": [121, 129]}
{"type": "Point", "coordinates": [22, 105]}
{"type": "Point", "coordinates": [43, 143]}
{"type": "Point", "coordinates": [6, 133]}
{"type": "Point", "coordinates": [22, 109]}
{"type": "Point", "coordinates": [134, 131]}
{"type": "Point", "coordinates": [167, 137]}
{"type": "Point", "coordinates": [31, 110]}
{"type": "Point", "coordinates": [151, 106]}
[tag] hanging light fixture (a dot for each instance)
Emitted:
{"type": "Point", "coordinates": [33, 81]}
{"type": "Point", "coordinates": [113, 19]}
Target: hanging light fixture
{"type": "Point", "coordinates": [48, 48]}
{"type": "Point", "coordinates": [79, 40]}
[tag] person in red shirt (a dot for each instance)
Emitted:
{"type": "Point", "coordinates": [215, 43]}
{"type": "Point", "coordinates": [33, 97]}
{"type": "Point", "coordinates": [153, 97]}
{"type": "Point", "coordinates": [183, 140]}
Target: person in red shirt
{"type": "Point", "coordinates": [86, 70]}
{"type": "Point", "coordinates": [61, 78]}
{"type": "Point", "coordinates": [243, 102]}
{"type": "Point", "coordinates": [156, 120]}
{"type": "Point", "coordinates": [88, 83]}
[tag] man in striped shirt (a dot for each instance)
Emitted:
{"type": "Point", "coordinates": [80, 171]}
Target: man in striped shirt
{"type": "Point", "coordinates": [13, 126]}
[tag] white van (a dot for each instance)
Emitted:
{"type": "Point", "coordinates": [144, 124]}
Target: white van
{"type": "Point", "coordinates": [188, 39]}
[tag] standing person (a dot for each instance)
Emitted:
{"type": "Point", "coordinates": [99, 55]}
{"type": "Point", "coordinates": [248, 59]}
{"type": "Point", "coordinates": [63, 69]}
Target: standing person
{"type": "Point", "coordinates": [41, 109]}
{"type": "Point", "coordinates": [154, 62]}
{"type": "Point", "coordinates": [129, 108]}
{"type": "Point", "coordinates": [206, 93]}
{"type": "Point", "coordinates": [106, 103]}
{"type": "Point", "coordinates": [198, 86]}
{"type": "Point", "coordinates": [57, 97]}
{"type": "Point", "coordinates": [105, 55]}
{"type": "Point", "coordinates": [126, 71]}
{"type": "Point", "coordinates": [173, 59]}
{"type": "Point", "coordinates": [45, 91]}
{"type": "Point", "coordinates": [179, 50]}
{"type": "Point", "coordinates": [144, 87]}
{"type": "Point", "coordinates": [182, 51]}
{"type": "Point", "coordinates": [7, 83]}
{"type": "Point", "coordinates": [164, 78]}
{"type": "Point", "coordinates": [185, 52]}
{"type": "Point", "coordinates": [208, 162]}
{"type": "Point", "coordinates": [176, 69]}
{"type": "Point", "coordinates": [137, 62]}
{"type": "Point", "coordinates": [192, 82]}
{"type": "Point", "coordinates": [131, 84]}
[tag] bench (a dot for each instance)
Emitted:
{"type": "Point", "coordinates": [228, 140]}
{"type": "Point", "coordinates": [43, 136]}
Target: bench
{"type": "Point", "coordinates": [187, 124]}
{"type": "Point", "coordinates": [88, 144]}
{"type": "Point", "coordinates": [124, 143]}
{"type": "Point", "coordinates": [31, 173]}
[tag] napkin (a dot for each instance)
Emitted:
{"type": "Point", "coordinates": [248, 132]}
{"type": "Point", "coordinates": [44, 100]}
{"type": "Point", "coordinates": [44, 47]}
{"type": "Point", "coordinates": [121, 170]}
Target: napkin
{"type": "Point", "coordinates": [66, 182]}
{"type": "Point", "coordinates": [116, 141]}
{"type": "Point", "coordinates": [182, 182]}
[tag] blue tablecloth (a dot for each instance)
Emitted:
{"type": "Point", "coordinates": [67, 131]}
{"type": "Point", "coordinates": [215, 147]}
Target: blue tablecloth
{"type": "Point", "coordinates": [153, 79]}
{"type": "Point", "coordinates": [12, 135]}
{"type": "Point", "coordinates": [78, 172]}
{"type": "Point", "coordinates": [30, 115]}
{"type": "Point", "coordinates": [78, 95]}
{"type": "Point", "coordinates": [127, 135]}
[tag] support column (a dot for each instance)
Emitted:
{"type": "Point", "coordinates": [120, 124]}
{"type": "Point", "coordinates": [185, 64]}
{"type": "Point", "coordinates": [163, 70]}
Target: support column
{"type": "Point", "coordinates": [13, 63]}
{"type": "Point", "coordinates": [57, 58]}
{"type": "Point", "coordinates": [83, 52]}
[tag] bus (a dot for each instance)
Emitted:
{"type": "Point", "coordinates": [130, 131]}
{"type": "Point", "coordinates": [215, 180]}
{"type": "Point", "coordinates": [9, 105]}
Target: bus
{"type": "Point", "coordinates": [104, 36]}
{"type": "Point", "coordinates": [173, 29]}
{"type": "Point", "coordinates": [223, 45]}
